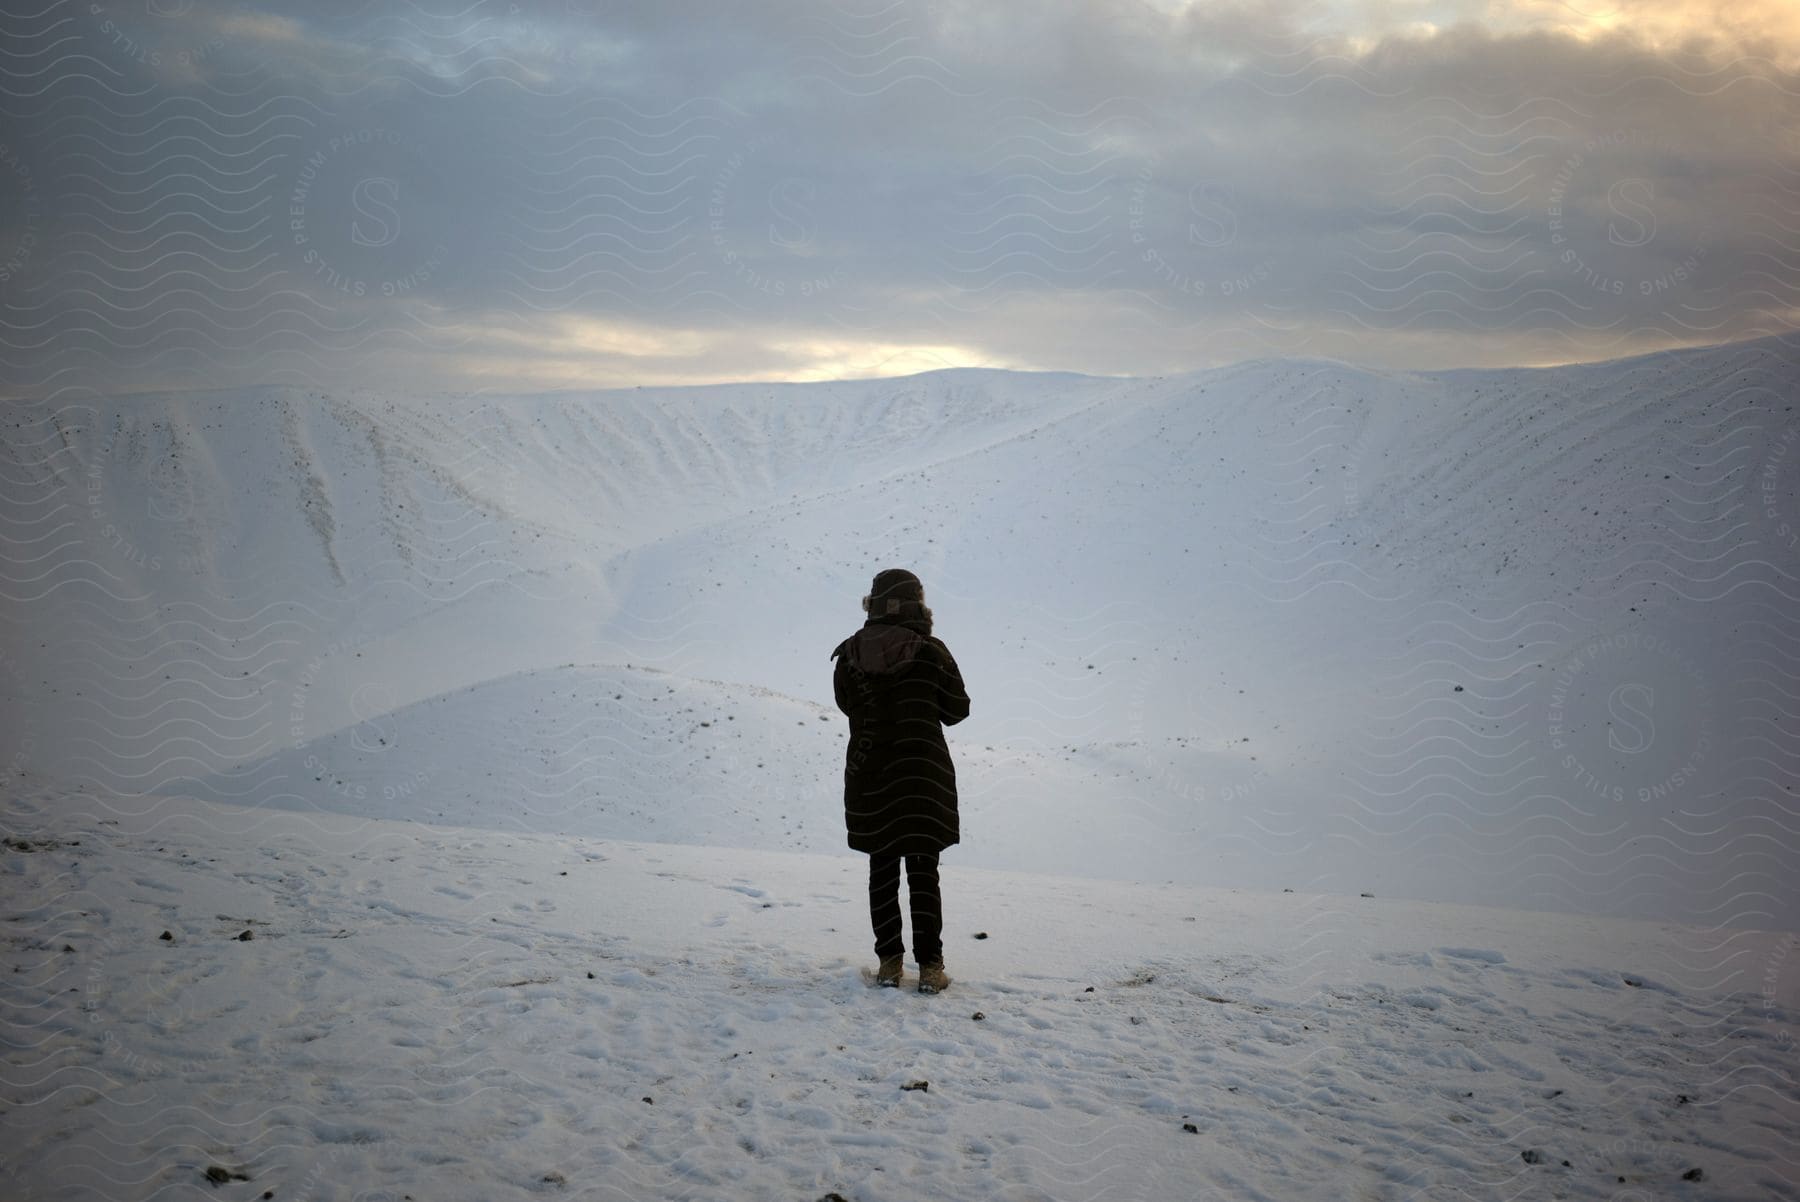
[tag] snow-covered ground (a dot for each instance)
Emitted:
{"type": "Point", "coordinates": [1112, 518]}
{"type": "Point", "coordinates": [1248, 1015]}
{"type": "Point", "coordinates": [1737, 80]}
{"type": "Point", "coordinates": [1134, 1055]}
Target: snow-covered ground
{"type": "Point", "coordinates": [441, 1012]}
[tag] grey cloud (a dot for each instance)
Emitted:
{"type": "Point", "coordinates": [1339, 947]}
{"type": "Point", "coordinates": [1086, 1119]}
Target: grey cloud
{"type": "Point", "coordinates": [239, 194]}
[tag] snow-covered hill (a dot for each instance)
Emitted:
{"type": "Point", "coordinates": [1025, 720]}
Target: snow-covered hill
{"type": "Point", "coordinates": [1522, 637]}
{"type": "Point", "coordinates": [639, 753]}
{"type": "Point", "coordinates": [323, 1007]}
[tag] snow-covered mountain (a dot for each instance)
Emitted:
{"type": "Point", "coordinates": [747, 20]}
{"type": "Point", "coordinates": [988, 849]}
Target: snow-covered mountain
{"type": "Point", "coordinates": [1523, 637]}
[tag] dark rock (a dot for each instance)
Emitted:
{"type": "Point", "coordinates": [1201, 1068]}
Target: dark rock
{"type": "Point", "coordinates": [978, 1016]}
{"type": "Point", "coordinates": [981, 934]}
{"type": "Point", "coordinates": [167, 936]}
{"type": "Point", "coordinates": [590, 976]}
{"type": "Point", "coordinates": [648, 1100]}
{"type": "Point", "coordinates": [246, 937]}
{"type": "Point", "coordinates": [1089, 989]}
{"type": "Point", "coordinates": [1190, 1128]}
{"type": "Point", "coordinates": [1532, 1156]}
{"type": "Point", "coordinates": [1365, 895]}
{"type": "Point", "coordinates": [921, 1085]}
{"type": "Point", "coordinates": [834, 1196]}
{"type": "Point", "coordinates": [68, 947]}
{"type": "Point", "coordinates": [1682, 1099]}
{"type": "Point", "coordinates": [555, 1178]}
{"type": "Point", "coordinates": [1694, 1175]}
{"type": "Point", "coordinates": [218, 1174]}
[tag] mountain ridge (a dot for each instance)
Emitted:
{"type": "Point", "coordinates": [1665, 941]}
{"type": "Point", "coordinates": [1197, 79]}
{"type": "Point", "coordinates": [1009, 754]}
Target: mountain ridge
{"type": "Point", "coordinates": [1576, 581]}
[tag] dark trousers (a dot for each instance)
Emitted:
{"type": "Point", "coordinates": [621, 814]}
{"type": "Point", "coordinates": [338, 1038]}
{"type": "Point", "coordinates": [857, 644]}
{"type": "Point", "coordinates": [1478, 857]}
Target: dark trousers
{"type": "Point", "coordinates": [921, 892]}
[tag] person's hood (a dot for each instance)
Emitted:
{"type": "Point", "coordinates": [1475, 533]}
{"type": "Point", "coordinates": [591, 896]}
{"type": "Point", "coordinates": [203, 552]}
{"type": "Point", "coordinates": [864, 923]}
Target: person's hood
{"type": "Point", "coordinates": [880, 647]}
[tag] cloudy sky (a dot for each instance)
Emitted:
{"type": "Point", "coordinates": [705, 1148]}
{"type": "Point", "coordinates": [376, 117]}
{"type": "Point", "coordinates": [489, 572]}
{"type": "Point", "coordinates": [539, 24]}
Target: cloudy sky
{"type": "Point", "coordinates": [501, 196]}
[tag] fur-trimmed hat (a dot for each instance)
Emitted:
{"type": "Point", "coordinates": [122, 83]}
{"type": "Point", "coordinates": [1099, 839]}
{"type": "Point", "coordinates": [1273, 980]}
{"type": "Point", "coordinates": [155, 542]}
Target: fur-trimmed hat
{"type": "Point", "coordinates": [893, 588]}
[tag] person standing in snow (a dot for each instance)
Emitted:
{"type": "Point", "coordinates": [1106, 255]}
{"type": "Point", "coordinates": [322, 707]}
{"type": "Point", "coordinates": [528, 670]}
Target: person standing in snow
{"type": "Point", "coordinates": [900, 687]}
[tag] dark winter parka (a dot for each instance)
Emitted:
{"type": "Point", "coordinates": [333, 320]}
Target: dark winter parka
{"type": "Point", "coordinates": [900, 687]}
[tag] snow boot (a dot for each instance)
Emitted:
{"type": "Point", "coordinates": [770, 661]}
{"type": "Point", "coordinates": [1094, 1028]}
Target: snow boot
{"type": "Point", "coordinates": [889, 972]}
{"type": "Point", "coordinates": [932, 978]}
